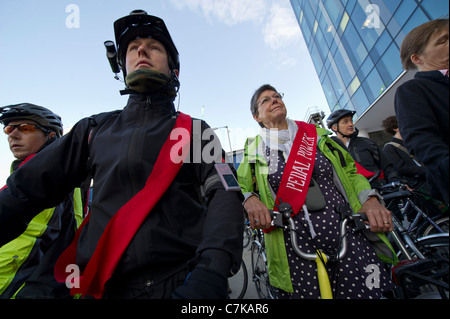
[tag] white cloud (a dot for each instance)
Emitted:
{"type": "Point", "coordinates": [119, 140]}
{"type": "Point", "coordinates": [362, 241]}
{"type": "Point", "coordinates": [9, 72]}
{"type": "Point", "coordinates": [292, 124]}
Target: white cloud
{"type": "Point", "coordinates": [282, 28]}
{"type": "Point", "coordinates": [230, 12]}
{"type": "Point", "coordinates": [279, 27]}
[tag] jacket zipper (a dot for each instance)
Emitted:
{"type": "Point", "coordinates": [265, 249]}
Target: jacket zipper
{"type": "Point", "coordinates": [132, 149]}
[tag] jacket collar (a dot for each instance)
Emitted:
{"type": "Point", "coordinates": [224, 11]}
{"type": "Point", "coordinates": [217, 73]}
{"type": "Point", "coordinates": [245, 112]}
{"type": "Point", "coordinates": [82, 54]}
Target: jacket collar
{"type": "Point", "coordinates": [155, 104]}
{"type": "Point", "coordinates": [431, 75]}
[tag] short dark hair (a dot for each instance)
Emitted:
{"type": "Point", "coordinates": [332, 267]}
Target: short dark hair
{"type": "Point", "coordinates": [254, 100]}
{"type": "Point", "coordinates": [389, 124]}
{"type": "Point", "coordinates": [417, 39]}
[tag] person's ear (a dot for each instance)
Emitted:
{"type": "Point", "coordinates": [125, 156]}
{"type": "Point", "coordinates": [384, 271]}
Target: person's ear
{"type": "Point", "coordinates": [334, 128]}
{"type": "Point", "coordinates": [256, 118]}
{"type": "Point", "coordinates": [415, 58]}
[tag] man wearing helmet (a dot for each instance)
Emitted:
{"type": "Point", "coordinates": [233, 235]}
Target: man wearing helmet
{"type": "Point", "coordinates": [26, 263]}
{"type": "Point", "coordinates": [191, 240]}
{"type": "Point", "coordinates": [366, 153]}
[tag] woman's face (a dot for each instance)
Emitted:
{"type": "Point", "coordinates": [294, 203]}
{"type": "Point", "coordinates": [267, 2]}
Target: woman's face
{"type": "Point", "coordinates": [271, 110]}
{"type": "Point", "coordinates": [435, 54]}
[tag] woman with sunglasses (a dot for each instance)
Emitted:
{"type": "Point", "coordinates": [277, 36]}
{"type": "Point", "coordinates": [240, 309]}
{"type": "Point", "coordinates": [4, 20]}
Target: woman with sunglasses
{"type": "Point", "coordinates": [26, 263]}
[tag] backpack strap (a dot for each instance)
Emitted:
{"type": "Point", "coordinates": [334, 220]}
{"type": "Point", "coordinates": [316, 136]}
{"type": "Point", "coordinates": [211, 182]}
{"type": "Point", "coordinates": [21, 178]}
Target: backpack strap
{"type": "Point", "coordinates": [95, 123]}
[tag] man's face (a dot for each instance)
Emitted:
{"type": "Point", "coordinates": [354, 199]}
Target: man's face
{"type": "Point", "coordinates": [147, 53]}
{"type": "Point", "coordinates": [24, 144]}
{"type": "Point", "coordinates": [345, 125]}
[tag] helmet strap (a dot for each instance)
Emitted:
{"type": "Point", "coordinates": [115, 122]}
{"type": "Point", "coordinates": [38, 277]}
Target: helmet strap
{"type": "Point", "coordinates": [354, 134]}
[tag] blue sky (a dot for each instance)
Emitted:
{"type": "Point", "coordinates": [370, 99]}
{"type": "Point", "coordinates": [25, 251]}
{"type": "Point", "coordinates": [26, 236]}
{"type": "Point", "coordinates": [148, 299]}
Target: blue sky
{"type": "Point", "coordinates": [228, 48]}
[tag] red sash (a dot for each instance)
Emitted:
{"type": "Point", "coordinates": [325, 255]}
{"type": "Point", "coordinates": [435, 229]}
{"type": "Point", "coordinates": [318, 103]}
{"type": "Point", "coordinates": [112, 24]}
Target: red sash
{"type": "Point", "coordinates": [299, 167]}
{"type": "Point", "coordinates": [125, 223]}
{"type": "Point", "coordinates": [26, 160]}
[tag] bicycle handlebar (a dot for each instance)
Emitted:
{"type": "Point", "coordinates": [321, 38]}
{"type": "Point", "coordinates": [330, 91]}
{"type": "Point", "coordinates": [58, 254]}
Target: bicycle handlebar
{"type": "Point", "coordinates": [397, 185]}
{"type": "Point", "coordinates": [285, 221]}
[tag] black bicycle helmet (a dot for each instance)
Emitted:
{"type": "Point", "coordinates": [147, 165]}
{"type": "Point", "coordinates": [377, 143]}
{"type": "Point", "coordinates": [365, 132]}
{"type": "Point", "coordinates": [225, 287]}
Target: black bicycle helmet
{"type": "Point", "coordinates": [336, 116]}
{"type": "Point", "coordinates": [140, 24]}
{"type": "Point", "coordinates": [26, 111]}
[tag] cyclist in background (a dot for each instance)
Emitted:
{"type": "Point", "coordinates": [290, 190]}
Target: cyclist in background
{"type": "Point", "coordinates": [366, 153]}
{"type": "Point", "coordinates": [26, 263]}
{"type": "Point", "coordinates": [407, 165]}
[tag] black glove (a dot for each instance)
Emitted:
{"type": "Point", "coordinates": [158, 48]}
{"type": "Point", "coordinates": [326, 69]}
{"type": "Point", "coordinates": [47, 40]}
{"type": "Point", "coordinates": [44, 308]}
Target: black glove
{"type": "Point", "coordinates": [202, 283]}
{"type": "Point", "coordinates": [208, 279]}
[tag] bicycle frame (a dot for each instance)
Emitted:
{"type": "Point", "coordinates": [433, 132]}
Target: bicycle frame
{"type": "Point", "coordinates": [420, 214]}
{"type": "Point", "coordinates": [402, 193]}
{"type": "Point", "coordinates": [398, 228]}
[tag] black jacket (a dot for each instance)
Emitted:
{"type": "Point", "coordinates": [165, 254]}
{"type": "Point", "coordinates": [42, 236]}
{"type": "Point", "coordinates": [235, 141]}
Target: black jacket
{"type": "Point", "coordinates": [369, 155]}
{"type": "Point", "coordinates": [179, 228]}
{"type": "Point", "coordinates": [422, 109]}
{"type": "Point", "coordinates": [414, 174]}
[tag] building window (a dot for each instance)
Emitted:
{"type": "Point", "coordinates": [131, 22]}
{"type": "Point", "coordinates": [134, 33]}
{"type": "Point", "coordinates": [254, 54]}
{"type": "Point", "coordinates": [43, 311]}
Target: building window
{"type": "Point", "coordinates": [365, 68]}
{"type": "Point", "coordinates": [380, 46]}
{"type": "Point", "coordinates": [354, 86]}
{"type": "Point", "coordinates": [336, 80]}
{"type": "Point", "coordinates": [354, 46]}
{"type": "Point", "coordinates": [373, 86]}
{"type": "Point", "coordinates": [360, 102]}
{"type": "Point", "coordinates": [329, 93]}
{"type": "Point", "coordinates": [335, 10]}
{"type": "Point", "coordinates": [389, 65]}
{"type": "Point", "coordinates": [435, 9]}
{"type": "Point", "coordinates": [400, 17]}
{"type": "Point", "coordinates": [344, 65]}
{"type": "Point", "coordinates": [344, 22]}
{"type": "Point", "coordinates": [387, 8]}
{"type": "Point", "coordinates": [416, 19]}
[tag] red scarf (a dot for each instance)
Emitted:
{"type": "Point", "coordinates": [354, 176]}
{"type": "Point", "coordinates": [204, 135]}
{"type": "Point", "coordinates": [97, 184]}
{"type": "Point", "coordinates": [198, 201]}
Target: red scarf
{"type": "Point", "coordinates": [126, 222]}
{"type": "Point", "coordinates": [299, 168]}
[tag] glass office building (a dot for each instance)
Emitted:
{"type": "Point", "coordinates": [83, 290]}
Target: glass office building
{"type": "Point", "coordinates": [354, 44]}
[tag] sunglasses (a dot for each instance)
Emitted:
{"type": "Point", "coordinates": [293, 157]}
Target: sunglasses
{"type": "Point", "coordinates": [24, 128]}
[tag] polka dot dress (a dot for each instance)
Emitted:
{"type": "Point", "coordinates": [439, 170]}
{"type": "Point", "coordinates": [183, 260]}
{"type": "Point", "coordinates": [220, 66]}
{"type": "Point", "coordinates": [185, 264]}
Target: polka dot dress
{"type": "Point", "coordinates": [348, 277]}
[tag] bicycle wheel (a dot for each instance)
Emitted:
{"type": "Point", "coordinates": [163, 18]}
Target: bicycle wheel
{"type": "Point", "coordinates": [260, 272]}
{"type": "Point", "coordinates": [237, 284]}
{"type": "Point", "coordinates": [428, 229]}
{"type": "Point", "coordinates": [433, 247]}
{"type": "Point", "coordinates": [248, 234]}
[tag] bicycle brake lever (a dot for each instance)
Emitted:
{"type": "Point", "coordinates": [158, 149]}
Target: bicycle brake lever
{"type": "Point", "coordinates": [359, 219]}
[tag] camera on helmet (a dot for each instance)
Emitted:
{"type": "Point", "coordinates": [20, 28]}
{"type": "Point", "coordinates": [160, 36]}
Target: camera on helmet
{"type": "Point", "coordinates": [111, 54]}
